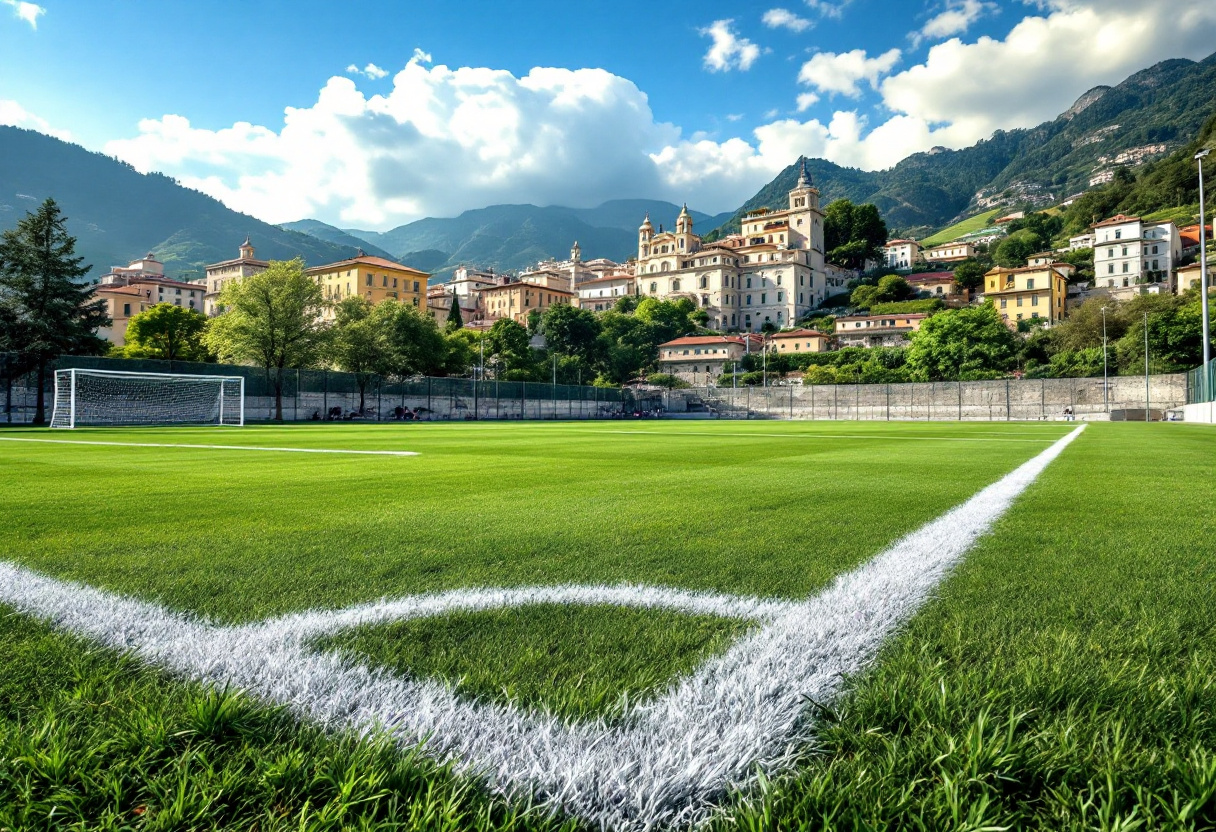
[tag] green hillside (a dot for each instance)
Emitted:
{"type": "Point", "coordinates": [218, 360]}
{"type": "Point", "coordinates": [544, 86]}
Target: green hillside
{"type": "Point", "coordinates": [118, 214]}
{"type": "Point", "coordinates": [957, 230]}
{"type": "Point", "coordinates": [330, 234]}
{"type": "Point", "coordinates": [1148, 116]}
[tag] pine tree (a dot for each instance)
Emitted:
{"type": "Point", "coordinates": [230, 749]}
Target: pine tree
{"type": "Point", "coordinates": [50, 312]}
{"type": "Point", "coordinates": [455, 319]}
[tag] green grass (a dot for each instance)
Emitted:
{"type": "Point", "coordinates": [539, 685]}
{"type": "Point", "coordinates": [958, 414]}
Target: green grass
{"type": "Point", "coordinates": [957, 230]}
{"type": "Point", "coordinates": [577, 662]}
{"type": "Point", "coordinates": [1062, 680]}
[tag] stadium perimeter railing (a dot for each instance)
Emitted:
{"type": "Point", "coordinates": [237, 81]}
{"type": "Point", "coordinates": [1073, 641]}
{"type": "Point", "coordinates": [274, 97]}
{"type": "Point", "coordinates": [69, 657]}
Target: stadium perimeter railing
{"type": "Point", "coordinates": [309, 394]}
{"type": "Point", "coordinates": [1124, 398]}
{"type": "Point", "coordinates": [1201, 384]}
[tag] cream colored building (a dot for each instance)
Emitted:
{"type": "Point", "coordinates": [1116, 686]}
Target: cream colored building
{"type": "Point", "coordinates": [1189, 277]}
{"type": "Point", "coordinates": [800, 340]}
{"type": "Point", "coordinates": [1028, 293]}
{"type": "Point", "coordinates": [949, 252]}
{"type": "Point", "coordinates": [939, 285]}
{"type": "Point", "coordinates": [137, 287]}
{"type": "Point", "coordinates": [877, 330]}
{"type": "Point", "coordinates": [218, 275]}
{"type": "Point", "coordinates": [700, 359]}
{"type": "Point", "coordinates": [602, 293]}
{"type": "Point", "coordinates": [517, 300]}
{"type": "Point", "coordinates": [902, 254]}
{"type": "Point", "coordinates": [772, 272]}
{"type": "Point", "coordinates": [371, 278]}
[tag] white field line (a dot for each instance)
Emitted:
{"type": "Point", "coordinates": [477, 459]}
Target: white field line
{"type": "Point", "coordinates": [668, 762]}
{"type": "Point", "coordinates": [209, 447]}
{"type": "Point", "coordinates": [885, 436]}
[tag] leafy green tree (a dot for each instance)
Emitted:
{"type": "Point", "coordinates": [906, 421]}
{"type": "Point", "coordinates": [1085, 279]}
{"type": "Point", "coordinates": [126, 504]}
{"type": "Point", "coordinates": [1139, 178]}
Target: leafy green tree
{"type": "Point", "coordinates": [416, 346]}
{"type": "Point", "coordinates": [48, 311]}
{"type": "Point", "coordinates": [359, 344]}
{"type": "Point", "coordinates": [853, 234]}
{"type": "Point", "coordinates": [463, 350]}
{"type": "Point", "coordinates": [534, 321]}
{"type": "Point", "coordinates": [820, 374]}
{"type": "Point", "coordinates": [272, 319]}
{"type": "Point", "coordinates": [667, 380]}
{"type": "Point", "coordinates": [969, 274]}
{"type": "Point", "coordinates": [508, 350]}
{"type": "Point", "coordinates": [455, 319]}
{"type": "Point", "coordinates": [1015, 250]}
{"type": "Point", "coordinates": [962, 344]}
{"type": "Point", "coordinates": [168, 332]}
{"type": "Point", "coordinates": [571, 331]}
{"type": "Point", "coordinates": [890, 289]}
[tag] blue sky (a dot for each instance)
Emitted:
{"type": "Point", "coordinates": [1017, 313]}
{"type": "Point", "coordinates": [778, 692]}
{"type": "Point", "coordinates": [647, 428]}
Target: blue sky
{"type": "Point", "coordinates": [407, 109]}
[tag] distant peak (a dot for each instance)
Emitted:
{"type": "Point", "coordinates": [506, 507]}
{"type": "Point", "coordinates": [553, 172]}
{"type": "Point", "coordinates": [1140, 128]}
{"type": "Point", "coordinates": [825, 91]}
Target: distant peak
{"type": "Point", "coordinates": [1084, 102]}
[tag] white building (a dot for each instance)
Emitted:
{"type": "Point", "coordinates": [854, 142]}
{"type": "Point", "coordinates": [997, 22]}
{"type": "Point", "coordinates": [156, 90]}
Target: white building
{"type": "Point", "coordinates": [949, 252]}
{"type": "Point", "coordinates": [902, 254]}
{"type": "Point", "coordinates": [219, 275]}
{"type": "Point", "coordinates": [1132, 254]}
{"type": "Point", "coordinates": [770, 273]}
{"type": "Point", "coordinates": [602, 293]}
{"type": "Point", "coordinates": [1085, 240]}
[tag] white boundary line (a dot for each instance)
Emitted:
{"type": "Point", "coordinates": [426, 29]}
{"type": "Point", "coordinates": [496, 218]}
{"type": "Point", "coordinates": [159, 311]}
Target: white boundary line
{"type": "Point", "coordinates": [885, 436]}
{"type": "Point", "coordinates": [667, 763]}
{"type": "Point", "coordinates": [209, 447]}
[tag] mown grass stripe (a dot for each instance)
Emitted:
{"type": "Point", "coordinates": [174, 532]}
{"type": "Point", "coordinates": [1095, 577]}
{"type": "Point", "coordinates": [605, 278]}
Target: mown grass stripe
{"type": "Point", "coordinates": [209, 447]}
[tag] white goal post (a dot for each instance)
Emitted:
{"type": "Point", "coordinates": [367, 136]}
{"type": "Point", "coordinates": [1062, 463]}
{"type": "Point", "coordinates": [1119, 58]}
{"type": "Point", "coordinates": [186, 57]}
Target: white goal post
{"type": "Point", "coordinates": [113, 397]}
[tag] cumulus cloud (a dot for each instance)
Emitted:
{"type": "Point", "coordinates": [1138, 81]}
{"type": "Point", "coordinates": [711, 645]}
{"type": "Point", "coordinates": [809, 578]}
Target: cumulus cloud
{"type": "Point", "coordinates": [442, 141]}
{"type": "Point", "coordinates": [829, 8]}
{"type": "Point", "coordinates": [29, 12]}
{"type": "Point", "coordinates": [841, 73]}
{"type": "Point", "coordinates": [13, 114]}
{"type": "Point", "coordinates": [370, 71]}
{"type": "Point", "coordinates": [728, 51]}
{"type": "Point", "coordinates": [955, 19]}
{"type": "Point", "coordinates": [786, 19]}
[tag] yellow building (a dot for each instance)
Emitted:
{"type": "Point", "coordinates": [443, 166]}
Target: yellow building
{"type": "Point", "coordinates": [801, 340]}
{"type": "Point", "coordinates": [371, 278]}
{"type": "Point", "coordinates": [1027, 293]}
{"type": "Point", "coordinates": [517, 300]}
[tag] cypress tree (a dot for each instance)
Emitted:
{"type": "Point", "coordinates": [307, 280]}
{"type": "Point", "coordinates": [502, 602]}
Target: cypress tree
{"type": "Point", "coordinates": [455, 319]}
{"type": "Point", "coordinates": [49, 310]}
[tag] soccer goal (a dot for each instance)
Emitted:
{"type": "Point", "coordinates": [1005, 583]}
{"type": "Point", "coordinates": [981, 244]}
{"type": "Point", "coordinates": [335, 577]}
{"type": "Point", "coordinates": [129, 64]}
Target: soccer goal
{"type": "Point", "coordinates": [110, 397]}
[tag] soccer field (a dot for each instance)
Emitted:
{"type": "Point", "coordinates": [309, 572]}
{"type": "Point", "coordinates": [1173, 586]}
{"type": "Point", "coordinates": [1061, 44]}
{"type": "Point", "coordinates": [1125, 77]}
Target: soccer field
{"type": "Point", "coordinates": [758, 625]}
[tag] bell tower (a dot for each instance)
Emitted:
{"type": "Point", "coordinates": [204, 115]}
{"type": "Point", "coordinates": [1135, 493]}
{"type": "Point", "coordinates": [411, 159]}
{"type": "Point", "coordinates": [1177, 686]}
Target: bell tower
{"type": "Point", "coordinates": [246, 250]}
{"type": "Point", "coordinates": [645, 235]}
{"type": "Point", "coordinates": [684, 237]}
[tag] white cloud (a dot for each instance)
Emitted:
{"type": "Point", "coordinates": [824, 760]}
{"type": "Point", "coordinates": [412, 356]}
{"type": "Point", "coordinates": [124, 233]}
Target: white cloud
{"type": "Point", "coordinates": [370, 71]}
{"type": "Point", "coordinates": [445, 140]}
{"type": "Point", "coordinates": [29, 12]}
{"type": "Point", "coordinates": [442, 141]}
{"type": "Point", "coordinates": [734, 116]}
{"type": "Point", "coordinates": [955, 19]}
{"type": "Point", "coordinates": [807, 100]}
{"type": "Point", "coordinates": [828, 8]}
{"type": "Point", "coordinates": [786, 19]}
{"type": "Point", "coordinates": [14, 115]}
{"type": "Point", "coordinates": [728, 51]}
{"type": "Point", "coordinates": [1045, 63]}
{"type": "Point", "coordinates": [841, 73]}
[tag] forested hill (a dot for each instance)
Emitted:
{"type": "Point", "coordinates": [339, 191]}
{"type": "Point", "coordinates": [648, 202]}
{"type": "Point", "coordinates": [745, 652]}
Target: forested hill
{"type": "Point", "coordinates": [118, 214]}
{"type": "Point", "coordinates": [1146, 117]}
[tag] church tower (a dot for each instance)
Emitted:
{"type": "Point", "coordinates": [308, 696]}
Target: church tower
{"type": "Point", "coordinates": [805, 217]}
{"type": "Point", "coordinates": [805, 195]}
{"type": "Point", "coordinates": [576, 260]}
{"type": "Point", "coordinates": [684, 238]}
{"type": "Point", "coordinates": [246, 250]}
{"type": "Point", "coordinates": [645, 235]}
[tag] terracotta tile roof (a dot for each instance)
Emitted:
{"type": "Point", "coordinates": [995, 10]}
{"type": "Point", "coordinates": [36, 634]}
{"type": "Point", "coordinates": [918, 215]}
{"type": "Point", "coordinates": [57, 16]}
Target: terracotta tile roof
{"type": "Point", "coordinates": [1118, 219]}
{"type": "Point", "coordinates": [799, 333]}
{"type": "Point", "coordinates": [929, 277]}
{"type": "Point", "coordinates": [702, 340]}
{"type": "Point", "coordinates": [365, 260]}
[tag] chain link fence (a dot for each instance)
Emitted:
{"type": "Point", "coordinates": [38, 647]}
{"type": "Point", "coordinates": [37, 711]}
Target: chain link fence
{"type": "Point", "coordinates": [1201, 384]}
{"type": "Point", "coordinates": [1123, 397]}
{"type": "Point", "coordinates": [323, 394]}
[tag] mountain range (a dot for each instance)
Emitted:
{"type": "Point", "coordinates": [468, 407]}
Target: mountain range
{"type": "Point", "coordinates": [512, 237]}
{"type": "Point", "coordinates": [119, 214]}
{"type": "Point", "coordinates": [1145, 117]}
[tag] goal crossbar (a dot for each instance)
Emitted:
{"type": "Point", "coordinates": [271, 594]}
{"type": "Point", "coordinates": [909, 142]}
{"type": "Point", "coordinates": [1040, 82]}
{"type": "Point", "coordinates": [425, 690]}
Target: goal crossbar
{"type": "Point", "coordinates": [118, 397]}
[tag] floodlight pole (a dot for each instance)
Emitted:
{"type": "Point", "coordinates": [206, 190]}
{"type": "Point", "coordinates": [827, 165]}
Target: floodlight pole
{"type": "Point", "coordinates": [1105, 376]}
{"type": "Point", "coordinates": [1203, 262]}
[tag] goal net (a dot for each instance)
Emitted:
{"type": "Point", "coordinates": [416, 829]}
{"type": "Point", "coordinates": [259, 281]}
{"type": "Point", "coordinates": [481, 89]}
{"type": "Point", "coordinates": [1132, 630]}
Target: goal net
{"type": "Point", "coordinates": [108, 397]}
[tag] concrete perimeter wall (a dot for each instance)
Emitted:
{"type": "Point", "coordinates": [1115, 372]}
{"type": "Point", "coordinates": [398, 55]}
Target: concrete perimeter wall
{"type": "Point", "coordinates": [1007, 400]}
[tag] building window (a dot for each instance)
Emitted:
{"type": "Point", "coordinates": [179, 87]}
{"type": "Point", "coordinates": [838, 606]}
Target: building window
{"type": "Point", "coordinates": [704, 282]}
{"type": "Point", "coordinates": [1125, 265]}
{"type": "Point", "coordinates": [126, 310]}
{"type": "Point", "coordinates": [369, 280]}
{"type": "Point", "coordinates": [749, 280]}
{"type": "Point", "coordinates": [1004, 302]}
{"type": "Point", "coordinates": [1034, 300]}
{"type": "Point", "coordinates": [1118, 235]}
{"type": "Point", "coordinates": [384, 281]}
{"type": "Point", "coordinates": [763, 298]}
{"type": "Point", "coordinates": [749, 300]}
{"type": "Point", "coordinates": [654, 287]}
{"type": "Point", "coordinates": [1030, 283]}
{"type": "Point", "coordinates": [675, 285]}
{"type": "Point", "coordinates": [415, 285]}
{"type": "Point", "coordinates": [1110, 269]}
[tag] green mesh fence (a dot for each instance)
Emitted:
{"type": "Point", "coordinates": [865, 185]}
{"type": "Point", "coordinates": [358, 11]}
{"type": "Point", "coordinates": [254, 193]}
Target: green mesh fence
{"type": "Point", "coordinates": [1201, 384]}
